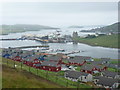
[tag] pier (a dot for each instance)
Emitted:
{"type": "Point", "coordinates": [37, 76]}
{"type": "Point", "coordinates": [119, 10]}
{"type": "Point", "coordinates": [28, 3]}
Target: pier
{"type": "Point", "coordinates": [72, 52]}
{"type": "Point", "coordinates": [30, 47]}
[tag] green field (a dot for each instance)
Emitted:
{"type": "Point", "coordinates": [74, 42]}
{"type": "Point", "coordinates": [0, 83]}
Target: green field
{"type": "Point", "coordinates": [104, 41]}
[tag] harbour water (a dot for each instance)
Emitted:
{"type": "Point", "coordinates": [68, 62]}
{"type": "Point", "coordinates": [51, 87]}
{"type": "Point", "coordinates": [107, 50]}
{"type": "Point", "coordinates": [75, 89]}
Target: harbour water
{"type": "Point", "coordinates": [93, 51]}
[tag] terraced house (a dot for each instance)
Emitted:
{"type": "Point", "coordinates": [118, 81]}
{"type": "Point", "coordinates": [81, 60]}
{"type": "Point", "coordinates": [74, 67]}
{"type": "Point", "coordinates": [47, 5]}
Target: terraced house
{"type": "Point", "coordinates": [50, 66]}
{"type": "Point", "coordinates": [78, 76]}
{"type": "Point", "coordinates": [77, 60]}
{"type": "Point", "coordinates": [110, 74]}
{"type": "Point", "coordinates": [91, 68]}
{"type": "Point", "coordinates": [105, 82]}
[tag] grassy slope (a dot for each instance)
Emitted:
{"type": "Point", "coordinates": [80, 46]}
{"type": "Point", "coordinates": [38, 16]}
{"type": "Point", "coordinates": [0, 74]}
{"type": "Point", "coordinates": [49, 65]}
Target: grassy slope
{"type": "Point", "coordinates": [105, 41]}
{"type": "Point", "coordinates": [14, 78]}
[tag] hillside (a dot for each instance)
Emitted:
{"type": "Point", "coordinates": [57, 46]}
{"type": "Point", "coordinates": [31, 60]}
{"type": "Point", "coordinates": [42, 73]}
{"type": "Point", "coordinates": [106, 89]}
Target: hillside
{"type": "Point", "coordinates": [106, 29]}
{"type": "Point", "coordinates": [14, 78]}
{"type": "Point", "coordinates": [6, 29]}
{"type": "Point", "coordinates": [105, 41]}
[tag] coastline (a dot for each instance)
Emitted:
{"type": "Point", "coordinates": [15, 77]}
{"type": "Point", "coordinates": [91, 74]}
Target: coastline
{"type": "Point", "coordinates": [108, 41]}
{"type": "Point", "coordinates": [98, 45]}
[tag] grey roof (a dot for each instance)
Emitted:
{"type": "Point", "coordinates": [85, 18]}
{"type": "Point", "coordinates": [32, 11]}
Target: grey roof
{"type": "Point", "coordinates": [13, 55]}
{"type": "Point", "coordinates": [106, 81]}
{"type": "Point", "coordinates": [55, 58]}
{"type": "Point", "coordinates": [76, 59]}
{"type": "Point", "coordinates": [24, 54]}
{"type": "Point", "coordinates": [49, 63]}
{"type": "Point", "coordinates": [102, 61]}
{"type": "Point", "coordinates": [75, 74]}
{"type": "Point", "coordinates": [114, 66]}
{"type": "Point", "coordinates": [31, 58]}
{"type": "Point", "coordinates": [88, 67]}
{"type": "Point", "coordinates": [109, 73]}
{"type": "Point", "coordinates": [105, 59]}
{"type": "Point", "coordinates": [91, 66]}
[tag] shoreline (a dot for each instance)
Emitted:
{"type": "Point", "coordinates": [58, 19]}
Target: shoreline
{"type": "Point", "coordinates": [99, 45]}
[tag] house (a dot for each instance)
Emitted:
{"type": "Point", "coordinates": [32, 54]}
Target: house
{"type": "Point", "coordinates": [53, 58]}
{"type": "Point", "coordinates": [38, 65]}
{"type": "Point", "coordinates": [16, 57]}
{"type": "Point", "coordinates": [41, 57]}
{"type": "Point", "coordinates": [115, 66]}
{"type": "Point", "coordinates": [87, 59]}
{"type": "Point", "coordinates": [24, 55]}
{"type": "Point", "coordinates": [50, 66]}
{"type": "Point", "coordinates": [64, 67]}
{"type": "Point", "coordinates": [67, 67]}
{"type": "Point", "coordinates": [31, 60]}
{"type": "Point", "coordinates": [106, 82]}
{"type": "Point", "coordinates": [6, 55]}
{"type": "Point", "coordinates": [110, 74]}
{"type": "Point", "coordinates": [78, 76]}
{"type": "Point", "coordinates": [105, 61]}
{"type": "Point", "coordinates": [76, 61]}
{"type": "Point", "coordinates": [90, 68]}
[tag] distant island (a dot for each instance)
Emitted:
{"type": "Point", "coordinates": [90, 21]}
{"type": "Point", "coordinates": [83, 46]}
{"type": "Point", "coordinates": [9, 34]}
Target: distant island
{"type": "Point", "coordinates": [6, 29]}
{"type": "Point", "coordinates": [75, 27]}
{"type": "Point", "coordinates": [106, 29]}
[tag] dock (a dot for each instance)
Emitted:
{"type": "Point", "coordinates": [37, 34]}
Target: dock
{"type": "Point", "coordinates": [72, 52]}
{"type": "Point", "coordinates": [30, 47]}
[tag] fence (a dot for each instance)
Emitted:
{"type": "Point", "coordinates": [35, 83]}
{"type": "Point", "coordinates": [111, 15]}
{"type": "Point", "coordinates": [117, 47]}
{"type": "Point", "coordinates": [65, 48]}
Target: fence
{"type": "Point", "coordinates": [56, 77]}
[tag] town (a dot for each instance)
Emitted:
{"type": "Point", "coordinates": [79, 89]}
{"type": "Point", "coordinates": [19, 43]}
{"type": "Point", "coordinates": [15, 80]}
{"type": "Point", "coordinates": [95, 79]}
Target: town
{"type": "Point", "coordinates": [77, 68]}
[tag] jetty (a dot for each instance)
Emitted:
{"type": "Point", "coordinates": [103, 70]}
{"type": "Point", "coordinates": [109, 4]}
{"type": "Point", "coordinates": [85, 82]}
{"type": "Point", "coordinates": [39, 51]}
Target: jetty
{"type": "Point", "coordinates": [73, 52]}
{"type": "Point", "coordinates": [30, 46]}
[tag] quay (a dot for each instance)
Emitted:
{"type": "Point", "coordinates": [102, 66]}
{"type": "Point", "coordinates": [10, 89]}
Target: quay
{"type": "Point", "coordinates": [30, 46]}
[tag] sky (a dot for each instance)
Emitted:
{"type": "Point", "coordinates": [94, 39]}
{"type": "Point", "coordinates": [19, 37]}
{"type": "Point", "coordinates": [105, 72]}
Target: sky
{"type": "Point", "coordinates": [59, 13]}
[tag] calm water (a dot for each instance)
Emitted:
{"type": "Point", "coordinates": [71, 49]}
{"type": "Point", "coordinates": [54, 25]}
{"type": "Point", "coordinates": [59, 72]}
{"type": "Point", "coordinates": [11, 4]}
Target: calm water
{"type": "Point", "coordinates": [93, 51]}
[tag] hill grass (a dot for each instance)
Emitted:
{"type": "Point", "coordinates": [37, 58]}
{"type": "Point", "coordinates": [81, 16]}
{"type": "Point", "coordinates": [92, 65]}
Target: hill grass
{"type": "Point", "coordinates": [14, 78]}
{"type": "Point", "coordinates": [104, 41]}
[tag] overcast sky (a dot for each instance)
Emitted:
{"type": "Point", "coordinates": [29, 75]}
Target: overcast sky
{"type": "Point", "coordinates": [60, 13]}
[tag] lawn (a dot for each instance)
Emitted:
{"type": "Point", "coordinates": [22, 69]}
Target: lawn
{"type": "Point", "coordinates": [105, 41]}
